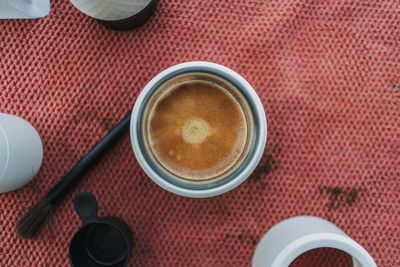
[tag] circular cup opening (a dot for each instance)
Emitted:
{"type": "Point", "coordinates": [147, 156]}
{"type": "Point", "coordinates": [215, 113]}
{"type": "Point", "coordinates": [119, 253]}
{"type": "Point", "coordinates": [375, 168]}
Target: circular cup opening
{"type": "Point", "coordinates": [220, 169]}
{"type": "Point", "coordinates": [99, 244]}
{"type": "Point", "coordinates": [327, 257]}
{"type": "Point", "coordinates": [105, 244]}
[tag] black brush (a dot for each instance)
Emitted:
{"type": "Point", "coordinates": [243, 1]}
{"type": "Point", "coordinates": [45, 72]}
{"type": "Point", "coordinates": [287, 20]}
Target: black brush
{"type": "Point", "coordinates": [32, 222]}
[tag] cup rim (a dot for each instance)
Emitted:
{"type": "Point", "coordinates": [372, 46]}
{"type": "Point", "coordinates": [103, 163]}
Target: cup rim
{"type": "Point", "coordinates": [259, 147]}
{"type": "Point", "coordinates": [5, 155]}
{"type": "Point", "coordinates": [83, 231]}
{"type": "Point", "coordinates": [300, 234]}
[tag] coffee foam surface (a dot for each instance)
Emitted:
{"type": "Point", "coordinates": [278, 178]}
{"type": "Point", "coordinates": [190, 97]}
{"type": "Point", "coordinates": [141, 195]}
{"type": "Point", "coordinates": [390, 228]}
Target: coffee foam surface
{"type": "Point", "coordinates": [197, 130]}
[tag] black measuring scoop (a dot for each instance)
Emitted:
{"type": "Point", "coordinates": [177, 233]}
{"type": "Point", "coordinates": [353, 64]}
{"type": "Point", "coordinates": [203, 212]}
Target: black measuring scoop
{"type": "Point", "coordinates": [105, 241]}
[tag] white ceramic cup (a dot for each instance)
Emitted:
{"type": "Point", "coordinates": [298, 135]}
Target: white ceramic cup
{"type": "Point", "coordinates": [21, 152]}
{"type": "Point", "coordinates": [287, 240]}
{"type": "Point", "coordinates": [24, 9]}
{"type": "Point", "coordinates": [110, 10]}
{"type": "Point", "coordinates": [158, 174]}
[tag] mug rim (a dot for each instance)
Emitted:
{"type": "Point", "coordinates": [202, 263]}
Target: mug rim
{"type": "Point", "coordinates": [255, 103]}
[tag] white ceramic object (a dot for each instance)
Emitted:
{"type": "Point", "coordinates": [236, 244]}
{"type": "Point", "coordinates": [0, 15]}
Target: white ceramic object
{"type": "Point", "coordinates": [204, 190]}
{"type": "Point", "coordinates": [21, 152]}
{"type": "Point", "coordinates": [287, 240]}
{"type": "Point", "coordinates": [24, 9]}
{"type": "Point", "coordinates": [110, 10]}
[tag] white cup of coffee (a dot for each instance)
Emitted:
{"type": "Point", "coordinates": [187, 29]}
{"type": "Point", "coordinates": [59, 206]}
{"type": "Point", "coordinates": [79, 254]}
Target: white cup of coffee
{"type": "Point", "coordinates": [198, 129]}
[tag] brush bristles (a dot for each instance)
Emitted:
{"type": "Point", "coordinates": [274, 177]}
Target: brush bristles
{"type": "Point", "coordinates": [32, 222]}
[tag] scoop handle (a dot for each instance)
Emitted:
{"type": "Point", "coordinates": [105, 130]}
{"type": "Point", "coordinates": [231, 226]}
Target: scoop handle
{"type": "Point", "coordinates": [75, 175]}
{"type": "Point", "coordinates": [85, 205]}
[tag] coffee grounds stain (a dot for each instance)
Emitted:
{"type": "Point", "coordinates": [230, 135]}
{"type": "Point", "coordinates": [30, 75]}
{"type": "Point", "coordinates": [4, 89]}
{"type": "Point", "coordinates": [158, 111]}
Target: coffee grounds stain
{"type": "Point", "coordinates": [267, 165]}
{"type": "Point", "coordinates": [106, 124]}
{"type": "Point", "coordinates": [352, 197]}
{"type": "Point", "coordinates": [244, 237]}
{"type": "Point", "coordinates": [396, 85]}
{"type": "Point", "coordinates": [340, 197]}
{"type": "Point", "coordinates": [89, 116]}
{"type": "Point", "coordinates": [145, 251]}
{"type": "Point", "coordinates": [247, 238]}
{"type": "Point", "coordinates": [271, 165]}
{"type": "Point", "coordinates": [335, 193]}
{"type": "Point", "coordinates": [276, 150]}
{"type": "Point", "coordinates": [221, 210]}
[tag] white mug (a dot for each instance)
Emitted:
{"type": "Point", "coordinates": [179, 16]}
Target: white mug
{"type": "Point", "coordinates": [21, 152]}
{"type": "Point", "coordinates": [287, 240]}
{"type": "Point", "coordinates": [111, 10]}
{"type": "Point", "coordinates": [160, 175]}
{"type": "Point", "coordinates": [24, 9]}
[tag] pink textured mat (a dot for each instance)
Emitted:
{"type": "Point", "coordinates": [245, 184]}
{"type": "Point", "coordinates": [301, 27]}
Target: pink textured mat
{"type": "Point", "coordinates": [328, 75]}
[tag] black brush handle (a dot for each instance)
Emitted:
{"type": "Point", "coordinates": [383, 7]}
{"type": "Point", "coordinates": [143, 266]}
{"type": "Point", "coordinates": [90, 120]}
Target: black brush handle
{"type": "Point", "coordinates": [70, 179]}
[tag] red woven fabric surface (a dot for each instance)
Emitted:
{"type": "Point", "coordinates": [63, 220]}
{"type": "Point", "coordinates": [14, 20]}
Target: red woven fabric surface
{"type": "Point", "coordinates": [327, 72]}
